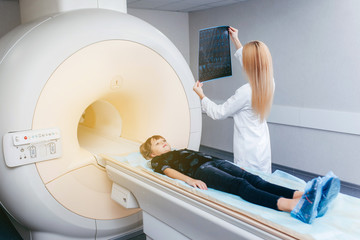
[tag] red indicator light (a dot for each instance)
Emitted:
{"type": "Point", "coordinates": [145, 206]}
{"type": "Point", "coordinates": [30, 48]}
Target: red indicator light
{"type": "Point", "coordinates": [25, 137]}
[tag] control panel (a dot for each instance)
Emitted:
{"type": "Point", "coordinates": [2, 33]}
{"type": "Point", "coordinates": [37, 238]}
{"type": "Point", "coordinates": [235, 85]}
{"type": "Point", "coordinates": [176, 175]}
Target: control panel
{"type": "Point", "coordinates": [31, 146]}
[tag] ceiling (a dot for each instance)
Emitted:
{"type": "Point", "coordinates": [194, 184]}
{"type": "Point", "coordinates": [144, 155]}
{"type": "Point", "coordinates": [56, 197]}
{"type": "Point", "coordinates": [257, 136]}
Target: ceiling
{"type": "Point", "coordinates": [179, 5]}
{"type": "Point", "coordinates": [176, 5]}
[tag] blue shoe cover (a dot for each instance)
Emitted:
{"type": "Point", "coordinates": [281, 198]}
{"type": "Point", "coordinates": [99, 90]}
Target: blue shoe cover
{"type": "Point", "coordinates": [330, 187]}
{"type": "Point", "coordinates": [306, 209]}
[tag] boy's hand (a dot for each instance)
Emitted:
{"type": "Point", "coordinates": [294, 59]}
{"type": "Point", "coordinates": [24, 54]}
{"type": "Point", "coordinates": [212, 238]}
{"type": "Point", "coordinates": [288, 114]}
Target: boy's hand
{"type": "Point", "coordinates": [197, 184]}
{"type": "Point", "coordinates": [178, 175]}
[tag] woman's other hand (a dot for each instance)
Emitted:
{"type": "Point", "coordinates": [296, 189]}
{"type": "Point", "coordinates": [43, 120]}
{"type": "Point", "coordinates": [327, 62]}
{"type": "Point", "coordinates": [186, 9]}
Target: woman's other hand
{"type": "Point", "coordinates": [198, 89]}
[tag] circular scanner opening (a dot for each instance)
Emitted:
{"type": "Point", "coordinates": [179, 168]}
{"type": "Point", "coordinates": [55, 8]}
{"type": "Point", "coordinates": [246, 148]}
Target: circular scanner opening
{"type": "Point", "coordinates": [128, 93]}
{"type": "Point", "coordinates": [99, 130]}
{"type": "Point", "coordinates": [102, 117]}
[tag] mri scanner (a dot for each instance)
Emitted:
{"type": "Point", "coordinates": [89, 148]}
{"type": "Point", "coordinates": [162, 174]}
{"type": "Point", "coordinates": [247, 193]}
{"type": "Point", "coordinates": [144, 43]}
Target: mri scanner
{"type": "Point", "coordinates": [80, 86]}
{"type": "Point", "coordinates": [74, 85]}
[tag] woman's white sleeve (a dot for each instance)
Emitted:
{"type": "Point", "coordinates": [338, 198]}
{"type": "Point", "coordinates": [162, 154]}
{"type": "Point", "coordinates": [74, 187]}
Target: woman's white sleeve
{"type": "Point", "coordinates": [238, 55]}
{"type": "Point", "coordinates": [221, 111]}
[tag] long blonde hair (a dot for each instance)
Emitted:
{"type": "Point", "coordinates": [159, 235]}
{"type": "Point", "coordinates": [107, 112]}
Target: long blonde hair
{"type": "Point", "coordinates": [258, 66]}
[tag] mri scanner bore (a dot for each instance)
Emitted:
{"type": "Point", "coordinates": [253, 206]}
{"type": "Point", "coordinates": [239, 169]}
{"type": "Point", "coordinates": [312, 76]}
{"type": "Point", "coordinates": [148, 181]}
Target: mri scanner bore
{"type": "Point", "coordinates": [88, 78]}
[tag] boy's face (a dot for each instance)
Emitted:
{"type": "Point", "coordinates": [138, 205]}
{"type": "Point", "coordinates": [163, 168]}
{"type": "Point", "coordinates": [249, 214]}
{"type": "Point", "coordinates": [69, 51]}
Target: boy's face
{"type": "Point", "coordinates": [159, 146]}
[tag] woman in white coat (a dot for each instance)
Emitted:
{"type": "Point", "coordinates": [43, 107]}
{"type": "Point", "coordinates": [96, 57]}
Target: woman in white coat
{"type": "Point", "coordinates": [249, 106]}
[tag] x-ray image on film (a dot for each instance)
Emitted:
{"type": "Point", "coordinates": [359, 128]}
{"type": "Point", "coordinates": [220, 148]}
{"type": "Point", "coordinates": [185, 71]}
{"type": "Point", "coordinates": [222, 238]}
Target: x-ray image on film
{"type": "Point", "coordinates": [214, 53]}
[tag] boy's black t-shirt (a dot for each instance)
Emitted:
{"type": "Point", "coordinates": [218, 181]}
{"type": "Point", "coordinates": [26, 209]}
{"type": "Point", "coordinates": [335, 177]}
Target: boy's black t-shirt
{"type": "Point", "coordinates": [185, 161]}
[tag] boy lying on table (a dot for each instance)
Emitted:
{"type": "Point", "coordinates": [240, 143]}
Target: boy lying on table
{"type": "Point", "coordinates": [202, 171]}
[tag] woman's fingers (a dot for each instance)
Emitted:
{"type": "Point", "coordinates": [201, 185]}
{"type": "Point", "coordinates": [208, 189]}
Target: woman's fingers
{"type": "Point", "coordinates": [233, 32]}
{"type": "Point", "coordinates": [232, 29]}
{"type": "Point", "coordinates": [198, 85]}
{"type": "Point", "coordinates": [198, 89]}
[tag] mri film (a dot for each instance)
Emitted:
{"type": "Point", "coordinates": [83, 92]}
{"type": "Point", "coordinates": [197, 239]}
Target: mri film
{"type": "Point", "coordinates": [214, 53]}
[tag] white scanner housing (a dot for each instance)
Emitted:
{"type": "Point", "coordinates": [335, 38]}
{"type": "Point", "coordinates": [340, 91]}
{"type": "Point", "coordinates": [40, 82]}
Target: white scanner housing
{"type": "Point", "coordinates": [106, 81]}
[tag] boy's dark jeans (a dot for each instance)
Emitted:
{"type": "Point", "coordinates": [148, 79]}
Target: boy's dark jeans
{"type": "Point", "coordinates": [227, 177]}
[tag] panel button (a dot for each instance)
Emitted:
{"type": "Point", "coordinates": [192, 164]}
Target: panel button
{"type": "Point", "coordinates": [32, 151]}
{"type": "Point", "coordinates": [52, 148]}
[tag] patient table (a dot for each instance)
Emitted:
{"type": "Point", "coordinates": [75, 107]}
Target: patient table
{"type": "Point", "coordinates": [172, 208]}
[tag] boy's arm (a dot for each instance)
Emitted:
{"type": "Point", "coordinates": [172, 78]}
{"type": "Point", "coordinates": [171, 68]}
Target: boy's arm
{"type": "Point", "coordinates": [178, 175]}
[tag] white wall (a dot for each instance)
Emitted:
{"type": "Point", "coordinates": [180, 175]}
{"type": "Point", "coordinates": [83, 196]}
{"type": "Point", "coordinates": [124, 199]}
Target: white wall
{"type": "Point", "coordinates": [9, 16]}
{"type": "Point", "coordinates": [175, 25]}
{"type": "Point", "coordinates": [315, 46]}
{"type": "Point", "coordinates": [162, 20]}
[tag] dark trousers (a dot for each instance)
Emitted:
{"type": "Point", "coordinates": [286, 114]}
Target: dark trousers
{"type": "Point", "coordinates": [224, 176]}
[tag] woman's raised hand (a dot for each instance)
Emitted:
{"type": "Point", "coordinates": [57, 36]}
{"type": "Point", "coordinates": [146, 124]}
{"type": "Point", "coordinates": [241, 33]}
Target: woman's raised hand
{"type": "Point", "coordinates": [233, 32]}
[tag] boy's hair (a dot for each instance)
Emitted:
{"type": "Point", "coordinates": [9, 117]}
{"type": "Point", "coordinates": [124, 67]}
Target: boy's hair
{"type": "Point", "coordinates": [145, 148]}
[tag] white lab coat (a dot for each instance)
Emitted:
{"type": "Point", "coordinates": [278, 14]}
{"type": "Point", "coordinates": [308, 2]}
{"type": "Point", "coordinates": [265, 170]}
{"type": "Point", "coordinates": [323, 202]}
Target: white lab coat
{"type": "Point", "coordinates": [251, 136]}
